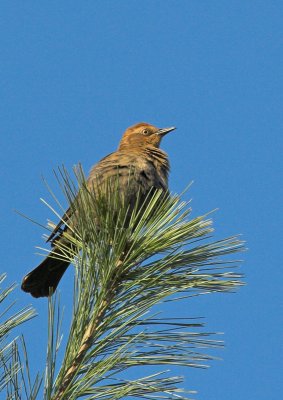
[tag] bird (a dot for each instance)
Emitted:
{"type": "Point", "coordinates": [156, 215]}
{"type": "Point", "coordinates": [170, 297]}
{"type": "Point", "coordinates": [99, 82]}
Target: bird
{"type": "Point", "coordinates": [138, 151]}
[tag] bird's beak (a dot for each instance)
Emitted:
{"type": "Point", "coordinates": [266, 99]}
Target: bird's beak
{"type": "Point", "coordinates": [164, 131]}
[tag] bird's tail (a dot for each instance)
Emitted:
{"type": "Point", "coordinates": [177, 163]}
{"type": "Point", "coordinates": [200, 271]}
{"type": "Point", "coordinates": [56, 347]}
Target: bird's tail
{"type": "Point", "coordinates": [46, 275]}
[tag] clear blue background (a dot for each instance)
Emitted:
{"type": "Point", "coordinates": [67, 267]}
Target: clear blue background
{"type": "Point", "coordinates": [74, 75]}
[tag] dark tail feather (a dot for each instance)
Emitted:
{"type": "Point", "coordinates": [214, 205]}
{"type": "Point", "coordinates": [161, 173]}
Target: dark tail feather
{"type": "Point", "coordinates": [46, 275]}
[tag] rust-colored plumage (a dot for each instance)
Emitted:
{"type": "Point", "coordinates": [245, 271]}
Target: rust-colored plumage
{"type": "Point", "coordinates": [138, 151]}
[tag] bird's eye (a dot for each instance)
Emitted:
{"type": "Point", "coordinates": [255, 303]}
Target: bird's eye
{"type": "Point", "coordinates": [145, 132]}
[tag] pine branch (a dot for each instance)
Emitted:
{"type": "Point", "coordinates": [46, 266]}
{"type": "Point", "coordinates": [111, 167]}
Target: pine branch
{"type": "Point", "coordinates": [124, 267]}
{"type": "Point", "coordinates": [11, 367]}
{"type": "Point", "coordinates": [85, 343]}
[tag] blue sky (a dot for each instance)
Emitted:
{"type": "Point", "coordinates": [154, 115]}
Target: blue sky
{"type": "Point", "coordinates": [74, 75]}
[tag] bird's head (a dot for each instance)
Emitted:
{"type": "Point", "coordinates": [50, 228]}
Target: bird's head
{"type": "Point", "coordinates": [143, 135]}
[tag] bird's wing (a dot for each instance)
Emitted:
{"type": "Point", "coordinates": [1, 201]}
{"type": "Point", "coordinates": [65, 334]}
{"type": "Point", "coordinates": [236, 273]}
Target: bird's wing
{"type": "Point", "coordinates": [120, 170]}
{"type": "Point", "coordinates": [59, 228]}
{"type": "Point", "coordinates": [129, 168]}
